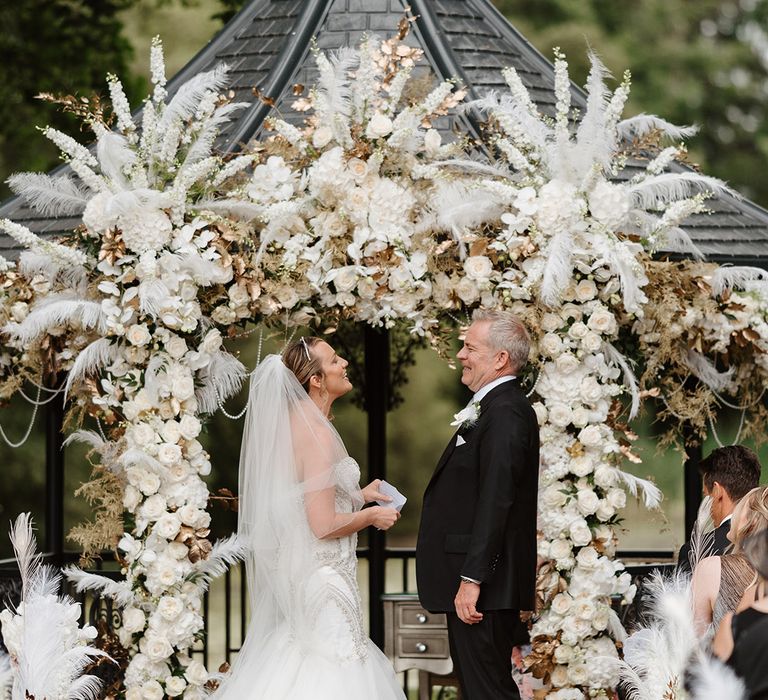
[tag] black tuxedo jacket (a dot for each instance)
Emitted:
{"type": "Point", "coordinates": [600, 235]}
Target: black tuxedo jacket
{"type": "Point", "coordinates": [712, 548]}
{"type": "Point", "coordinates": [478, 518]}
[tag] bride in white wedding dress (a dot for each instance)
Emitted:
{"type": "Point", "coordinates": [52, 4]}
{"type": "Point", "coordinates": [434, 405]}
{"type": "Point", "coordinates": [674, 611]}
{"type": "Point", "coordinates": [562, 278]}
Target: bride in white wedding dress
{"type": "Point", "coordinates": [300, 509]}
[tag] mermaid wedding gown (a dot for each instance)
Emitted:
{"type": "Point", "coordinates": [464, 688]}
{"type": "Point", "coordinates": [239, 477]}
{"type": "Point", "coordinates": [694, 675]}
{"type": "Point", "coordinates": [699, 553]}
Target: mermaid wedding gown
{"type": "Point", "coordinates": [322, 652]}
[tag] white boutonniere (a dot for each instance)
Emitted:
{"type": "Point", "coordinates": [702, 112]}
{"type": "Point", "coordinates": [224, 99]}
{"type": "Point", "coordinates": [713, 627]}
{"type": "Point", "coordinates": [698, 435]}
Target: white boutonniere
{"type": "Point", "coordinates": [467, 417]}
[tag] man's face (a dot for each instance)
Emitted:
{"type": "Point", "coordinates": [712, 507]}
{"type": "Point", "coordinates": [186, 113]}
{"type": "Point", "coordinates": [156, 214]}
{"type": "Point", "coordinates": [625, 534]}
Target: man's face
{"type": "Point", "coordinates": [480, 364]}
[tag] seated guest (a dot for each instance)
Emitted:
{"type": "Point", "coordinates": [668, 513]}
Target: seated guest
{"type": "Point", "coordinates": [728, 474]}
{"type": "Point", "coordinates": [742, 639]}
{"type": "Point", "coordinates": [719, 582]}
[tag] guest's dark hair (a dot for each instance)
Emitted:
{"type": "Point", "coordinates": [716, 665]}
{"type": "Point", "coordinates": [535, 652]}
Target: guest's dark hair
{"type": "Point", "coordinates": [299, 357]}
{"type": "Point", "coordinates": [736, 468]}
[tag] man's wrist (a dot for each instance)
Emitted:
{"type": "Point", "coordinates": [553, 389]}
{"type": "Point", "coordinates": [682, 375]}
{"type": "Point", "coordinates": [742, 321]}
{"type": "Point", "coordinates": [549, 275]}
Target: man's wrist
{"type": "Point", "coordinates": [467, 579]}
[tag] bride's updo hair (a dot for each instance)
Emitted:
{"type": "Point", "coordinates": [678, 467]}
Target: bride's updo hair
{"type": "Point", "coordinates": [299, 358]}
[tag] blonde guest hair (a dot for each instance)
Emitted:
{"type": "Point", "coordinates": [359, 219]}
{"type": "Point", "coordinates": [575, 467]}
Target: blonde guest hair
{"type": "Point", "coordinates": [753, 516]}
{"type": "Point", "coordinates": [506, 333]}
{"type": "Point", "coordinates": [299, 358]}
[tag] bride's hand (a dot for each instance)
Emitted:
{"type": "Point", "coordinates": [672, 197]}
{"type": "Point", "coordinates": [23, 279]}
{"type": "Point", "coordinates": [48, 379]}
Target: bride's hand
{"type": "Point", "coordinates": [383, 518]}
{"type": "Point", "coordinates": [371, 492]}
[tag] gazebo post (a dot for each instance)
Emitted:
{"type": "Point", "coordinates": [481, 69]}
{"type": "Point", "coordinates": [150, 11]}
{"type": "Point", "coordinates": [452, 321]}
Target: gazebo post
{"type": "Point", "coordinates": [54, 476]}
{"type": "Point", "coordinates": [692, 483]}
{"type": "Point", "coordinates": [376, 403]}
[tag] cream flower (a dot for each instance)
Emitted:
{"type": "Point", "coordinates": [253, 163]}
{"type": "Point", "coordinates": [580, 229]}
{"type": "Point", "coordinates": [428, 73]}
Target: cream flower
{"type": "Point", "coordinates": [379, 126]}
{"type": "Point", "coordinates": [138, 335]}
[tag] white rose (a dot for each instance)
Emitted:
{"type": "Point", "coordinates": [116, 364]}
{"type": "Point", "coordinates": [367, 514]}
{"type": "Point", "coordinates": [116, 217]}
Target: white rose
{"type": "Point", "coordinates": [167, 526]}
{"type": "Point", "coordinates": [563, 654]}
{"type": "Point", "coordinates": [587, 557]}
{"type": "Point", "coordinates": [560, 549]}
{"type": "Point", "coordinates": [602, 321]}
{"type": "Point", "coordinates": [561, 603]}
{"type": "Point", "coordinates": [142, 434]}
{"type": "Point", "coordinates": [152, 690]}
{"type": "Point", "coordinates": [605, 476]}
{"type": "Point", "coordinates": [133, 693]}
{"type": "Point", "coordinates": [580, 417]}
{"type": "Point", "coordinates": [224, 315]}
{"type": "Point", "coordinates": [559, 676]}
{"type": "Point", "coordinates": [578, 674]}
{"type": "Point", "coordinates": [170, 432]}
{"type": "Point", "coordinates": [578, 330]}
{"type": "Point", "coordinates": [592, 342]}
{"type": "Point", "coordinates": [189, 426]}
{"type": "Point", "coordinates": [559, 415]}
{"type": "Point", "coordinates": [551, 345]}
{"type": "Point", "coordinates": [155, 647]}
{"type": "Point", "coordinates": [168, 453]}
{"type": "Point", "coordinates": [581, 465]}
{"type": "Point", "coordinates": [467, 290]}
{"type": "Point", "coordinates": [174, 685]}
{"type": "Point", "coordinates": [358, 168]}
{"type": "Point", "coordinates": [322, 136]}
{"type": "Point", "coordinates": [478, 267]}
{"type": "Point", "coordinates": [605, 511]}
{"type": "Point", "coordinates": [212, 341]}
{"type": "Point", "coordinates": [591, 436]}
{"type": "Point", "coordinates": [195, 673]}
{"type": "Point", "coordinates": [580, 533]}
{"type": "Point", "coordinates": [553, 496]}
{"type": "Point", "coordinates": [149, 483]}
{"type": "Point", "coordinates": [287, 296]}
{"type": "Point", "coordinates": [131, 498]}
{"type": "Point", "coordinates": [587, 501]}
{"type": "Point", "coordinates": [138, 334]}
{"type": "Point", "coordinates": [585, 290]}
{"type": "Point", "coordinates": [183, 388]}
{"type": "Point", "coordinates": [551, 322]}
{"type": "Point", "coordinates": [600, 619]}
{"type": "Point", "coordinates": [134, 619]}
{"type": "Point", "coordinates": [176, 347]}
{"type": "Point", "coordinates": [591, 391]}
{"type": "Point", "coordinates": [153, 507]}
{"type": "Point", "coordinates": [617, 498]}
{"type": "Point", "coordinates": [170, 607]}
{"type": "Point", "coordinates": [566, 363]}
{"type": "Point", "coordinates": [379, 126]}
{"type": "Point", "coordinates": [345, 279]}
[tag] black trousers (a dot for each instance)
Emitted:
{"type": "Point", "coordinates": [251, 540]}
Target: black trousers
{"type": "Point", "coordinates": [482, 654]}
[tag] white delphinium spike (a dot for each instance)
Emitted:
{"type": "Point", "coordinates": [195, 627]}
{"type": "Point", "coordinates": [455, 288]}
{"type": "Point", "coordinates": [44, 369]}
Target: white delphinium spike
{"type": "Point", "coordinates": [641, 124]}
{"type": "Point", "coordinates": [724, 278]}
{"type": "Point", "coordinates": [95, 356]}
{"type": "Point", "coordinates": [288, 131]}
{"type": "Point", "coordinates": [69, 147]}
{"type": "Point", "coordinates": [679, 211]}
{"type": "Point", "coordinates": [232, 168]}
{"type": "Point", "coordinates": [396, 87]}
{"type": "Point", "coordinates": [658, 190]}
{"type": "Point", "coordinates": [57, 311]}
{"type": "Point", "coordinates": [513, 155]}
{"type": "Point", "coordinates": [61, 254]}
{"type": "Point", "coordinates": [121, 108]}
{"type": "Point", "coordinates": [364, 85]}
{"type": "Point", "coordinates": [148, 129]}
{"type": "Point", "coordinates": [562, 97]}
{"type": "Point", "coordinates": [223, 555]}
{"type": "Point", "coordinates": [703, 368]}
{"type": "Point", "coordinates": [50, 195]}
{"type": "Point", "coordinates": [663, 160]}
{"type": "Point", "coordinates": [119, 591]}
{"type": "Point", "coordinates": [169, 145]}
{"type": "Point", "coordinates": [519, 92]}
{"type": "Point", "coordinates": [436, 97]}
{"type": "Point", "coordinates": [157, 70]}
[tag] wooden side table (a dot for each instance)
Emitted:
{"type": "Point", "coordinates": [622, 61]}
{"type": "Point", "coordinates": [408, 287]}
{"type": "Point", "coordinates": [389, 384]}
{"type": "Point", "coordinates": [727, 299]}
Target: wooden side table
{"type": "Point", "coordinates": [417, 639]}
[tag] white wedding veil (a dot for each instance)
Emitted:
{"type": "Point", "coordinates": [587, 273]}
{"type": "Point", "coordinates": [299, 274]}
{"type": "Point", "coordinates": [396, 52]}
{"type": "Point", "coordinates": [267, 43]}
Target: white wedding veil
{"type": "Point", "coordinates": [288, 495]}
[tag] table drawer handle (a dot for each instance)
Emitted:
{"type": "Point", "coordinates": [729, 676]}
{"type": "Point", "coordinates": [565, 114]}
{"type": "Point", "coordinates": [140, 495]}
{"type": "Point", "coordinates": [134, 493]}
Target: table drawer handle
{"type": "Point", "coordinates": [422, 618]}
{"type": "Point", "coordinates": [421, 647]}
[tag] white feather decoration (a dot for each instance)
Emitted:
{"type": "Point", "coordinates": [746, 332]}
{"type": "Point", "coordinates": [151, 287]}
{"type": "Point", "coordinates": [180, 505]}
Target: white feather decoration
{"type": "Point", "coordinates": [630, 381]}
{"type": "Point", "coordinates": [58, 310]}
{"type": "Point", "coordinates": [50, 195]}
{"type": "Point", "coordinates": [656, 191]}
{"type": "Point", "coordinates": [152, 294]}
{"type": "Point", "coordinates": [641, 124]}
{"type": "Point", "coordinates": [243, 210]}
{"type": "Point", "coordinates": [6, 676]}
{"type": "Point", "coordinates": [119, 591]}
{"type": "Point", "coordinates": [591, 139]}
{"type": "Point", "coordinates": [24, 545]}
{"type": "Point", "coordinates": [92, 358]}
{"type": "Point", "coordinates": [713, 680]}
{"type": "Point", "coordinates": [224, 554]}
{"type": "Point", "coordinates": [729, 277]}
{"type": "Point", "coordinates": [677, 240]}
{"type": "Point", "coordinates": [138, 456]}
{"type": "Point", "coordinates": [334, 92]}
{"type": "Point", "coordinates": [85, 437]}
{"type": "Point", "coordinates": [705, 370]}
{"type": "Point", "coordinates": [222, 379]}
{"type": "Point", "coordinates": [203, 142]}
{"type": "Point", "coordinates": [116, 157]}
{"type": "Point", "coordinates": [557, 267]}
{"type": "Point", "coordinates": [652, 495]}
{"type": "Point", "coordinates": [36, 261]}
{"type": "Point", "coordinates": [184, 103]}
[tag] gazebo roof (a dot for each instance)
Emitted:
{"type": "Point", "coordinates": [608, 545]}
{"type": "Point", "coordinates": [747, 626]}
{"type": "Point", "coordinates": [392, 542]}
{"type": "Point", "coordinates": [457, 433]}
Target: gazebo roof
{"type": "Point", "coordinates": [267, 45]}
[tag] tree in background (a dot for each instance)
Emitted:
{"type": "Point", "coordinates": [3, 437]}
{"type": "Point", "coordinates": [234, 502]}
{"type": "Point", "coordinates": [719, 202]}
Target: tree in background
{"type": "Point", "coordinates": [691, 62]}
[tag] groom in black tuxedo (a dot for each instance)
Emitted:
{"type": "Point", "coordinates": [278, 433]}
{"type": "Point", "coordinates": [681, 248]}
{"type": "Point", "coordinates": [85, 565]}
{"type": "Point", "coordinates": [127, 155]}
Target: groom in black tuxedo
{"type": "Point", "coordinates": [728, 474]}
{"type": "Point", "coordinates": [476, 551]}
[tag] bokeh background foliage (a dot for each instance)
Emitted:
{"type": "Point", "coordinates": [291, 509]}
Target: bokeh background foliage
{"type": "Point", "coordinates": [704, 62]}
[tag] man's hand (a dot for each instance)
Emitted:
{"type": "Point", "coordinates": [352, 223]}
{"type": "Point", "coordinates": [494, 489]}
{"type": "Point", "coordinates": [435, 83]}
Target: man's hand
{"type": "Point", "coordinates": [466, 602]}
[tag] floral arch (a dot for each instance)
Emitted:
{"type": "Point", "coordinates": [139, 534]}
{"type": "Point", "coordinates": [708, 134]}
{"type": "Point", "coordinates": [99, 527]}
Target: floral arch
{"type": "Point", "coordinates": [364, 213]}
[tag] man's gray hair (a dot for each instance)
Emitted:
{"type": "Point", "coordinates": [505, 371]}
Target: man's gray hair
{"type": "Point", "coordinates": [506, 332]}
